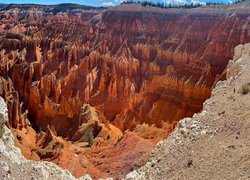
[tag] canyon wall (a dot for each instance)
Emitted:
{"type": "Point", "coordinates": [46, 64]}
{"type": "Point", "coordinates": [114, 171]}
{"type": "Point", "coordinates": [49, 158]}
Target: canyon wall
{"type": "Point", "coordinates": [213, 144]}
{"type": "Point", "coordinates": [129, 75]}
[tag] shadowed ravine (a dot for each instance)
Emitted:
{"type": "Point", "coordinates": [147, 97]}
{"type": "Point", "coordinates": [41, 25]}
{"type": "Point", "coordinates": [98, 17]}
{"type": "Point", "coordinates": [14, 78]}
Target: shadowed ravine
{"type": "Point", "coordinates": [127, 74]}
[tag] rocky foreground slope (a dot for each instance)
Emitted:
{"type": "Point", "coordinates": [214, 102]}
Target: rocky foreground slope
{"type": "Point", "coordinates": [14, 166]}
{"type": "Point", "coordinates": [94, 90]}
{"type": "Point", "coordinates": [213, 144]}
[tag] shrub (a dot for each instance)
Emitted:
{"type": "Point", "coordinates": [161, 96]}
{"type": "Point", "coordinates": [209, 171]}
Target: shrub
{"type": "Point", "coordinates": [244, 88]}
{"type": "Point", "coordinates": [190, 162]}
{"type": "Point", "coordinates": [89, 136]}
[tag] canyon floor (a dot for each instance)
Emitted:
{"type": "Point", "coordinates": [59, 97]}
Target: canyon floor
{"type": "Point", "coordinates": [215, 143]}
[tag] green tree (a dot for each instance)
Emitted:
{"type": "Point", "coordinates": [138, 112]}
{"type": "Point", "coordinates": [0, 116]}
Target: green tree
{"type": "Point", "coordinates": [89, 136]}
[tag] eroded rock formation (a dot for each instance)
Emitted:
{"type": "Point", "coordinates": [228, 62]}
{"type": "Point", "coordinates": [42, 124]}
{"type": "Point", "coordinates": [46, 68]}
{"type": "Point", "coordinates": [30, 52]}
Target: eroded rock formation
{"type": "Point", "coordinates": [127, 75]}
{"type": "Point", "coordinates": [213, 143]}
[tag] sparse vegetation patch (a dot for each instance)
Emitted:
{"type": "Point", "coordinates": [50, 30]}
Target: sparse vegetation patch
{"type": "Point", "coordinates": [89, 136]}
{"type": "Point", "coordinates": [244, 88]}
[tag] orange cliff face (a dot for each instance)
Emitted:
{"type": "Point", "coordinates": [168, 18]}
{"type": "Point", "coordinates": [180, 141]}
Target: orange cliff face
{"type": "Point", "coordinates": [123, 74]}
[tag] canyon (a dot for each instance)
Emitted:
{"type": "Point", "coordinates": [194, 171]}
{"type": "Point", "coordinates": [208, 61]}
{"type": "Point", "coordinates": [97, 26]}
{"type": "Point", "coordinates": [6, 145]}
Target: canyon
{"type": "Point", "coordinates": [213, 144]}
{"type": "Point", "coordinates": [94, 90]}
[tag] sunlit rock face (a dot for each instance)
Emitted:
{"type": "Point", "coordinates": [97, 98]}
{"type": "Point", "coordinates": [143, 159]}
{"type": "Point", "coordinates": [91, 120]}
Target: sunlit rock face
{"type": "Point", "coordinates": [126, 68]}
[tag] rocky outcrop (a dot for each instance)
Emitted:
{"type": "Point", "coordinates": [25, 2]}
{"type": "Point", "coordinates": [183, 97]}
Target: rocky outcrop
{"type": "Point", "coordinates": [70, 75]}
{"type": "Point", "coordinates": [212, 144]}
{"type": "Point", "coordinates": [14, 166]}
{"type": "Point", "coordinates": [3, 117]}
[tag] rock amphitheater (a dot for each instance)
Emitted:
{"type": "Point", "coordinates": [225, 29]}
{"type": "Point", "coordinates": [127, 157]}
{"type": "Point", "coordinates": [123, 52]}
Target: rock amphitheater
{"type": "Point", "coordinates": [128, 92]}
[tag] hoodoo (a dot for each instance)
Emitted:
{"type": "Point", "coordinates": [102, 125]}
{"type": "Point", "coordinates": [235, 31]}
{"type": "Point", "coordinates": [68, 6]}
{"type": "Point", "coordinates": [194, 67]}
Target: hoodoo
{"type": "Point", "coordinates": [94, 90]}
